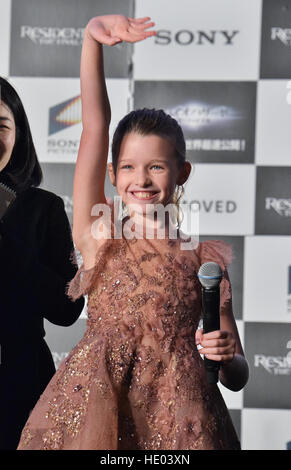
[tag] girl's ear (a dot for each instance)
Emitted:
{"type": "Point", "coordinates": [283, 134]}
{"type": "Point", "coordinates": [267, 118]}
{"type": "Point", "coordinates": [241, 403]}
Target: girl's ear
{"type": "Point", "coordinates": [184, 173]}
{"type": "Point", "coordinates": [111, 173]}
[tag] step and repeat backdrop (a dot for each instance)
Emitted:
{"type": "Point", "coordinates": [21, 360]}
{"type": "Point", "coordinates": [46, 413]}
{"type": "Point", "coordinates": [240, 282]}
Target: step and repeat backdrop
{"type": "Point", "coordinates": [222, 68]}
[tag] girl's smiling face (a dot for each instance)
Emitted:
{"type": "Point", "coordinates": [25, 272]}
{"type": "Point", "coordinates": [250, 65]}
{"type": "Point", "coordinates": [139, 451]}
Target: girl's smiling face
{"type": "Point", "coordinates": [7, 134]}
{"type": "Point", "coordinates": [147, 171]}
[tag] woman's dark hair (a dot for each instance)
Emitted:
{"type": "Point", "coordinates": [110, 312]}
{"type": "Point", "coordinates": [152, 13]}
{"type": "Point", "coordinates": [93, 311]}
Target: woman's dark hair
{"type": "Point", "coordinates": [23, 169]}
{"type": "Point", "coordinates": [146, 122]}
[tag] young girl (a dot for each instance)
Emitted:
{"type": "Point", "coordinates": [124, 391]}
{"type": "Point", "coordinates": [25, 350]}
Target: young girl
{"type": "Point", "coordinates": [136, 380]}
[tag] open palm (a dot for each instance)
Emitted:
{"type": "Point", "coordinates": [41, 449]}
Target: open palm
{"type": "Point", "coordinates": [113, 29]}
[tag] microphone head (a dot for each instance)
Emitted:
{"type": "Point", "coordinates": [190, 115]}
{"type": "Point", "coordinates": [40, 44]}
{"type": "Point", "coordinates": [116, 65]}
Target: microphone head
{"type": "Point", "coordinates": [210, 275]}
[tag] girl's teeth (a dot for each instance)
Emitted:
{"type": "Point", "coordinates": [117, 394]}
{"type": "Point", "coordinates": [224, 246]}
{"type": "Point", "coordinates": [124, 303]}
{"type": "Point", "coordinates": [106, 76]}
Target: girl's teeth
{"type": "Point", "coordinates": [143, 195]}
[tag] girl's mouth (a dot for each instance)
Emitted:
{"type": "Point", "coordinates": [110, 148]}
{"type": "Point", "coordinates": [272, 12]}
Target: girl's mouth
{"type": "Point", "coordinates": [143, 195]}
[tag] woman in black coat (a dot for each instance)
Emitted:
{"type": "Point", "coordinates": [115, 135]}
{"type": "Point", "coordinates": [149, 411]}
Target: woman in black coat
{"type": "Point", "coordinates": [36, 264]}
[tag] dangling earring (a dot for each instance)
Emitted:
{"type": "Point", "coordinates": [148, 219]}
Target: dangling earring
{"type": "Point", "coordinates": [176, 200]}
{"type": "Point", "coordinates": [124, 211]}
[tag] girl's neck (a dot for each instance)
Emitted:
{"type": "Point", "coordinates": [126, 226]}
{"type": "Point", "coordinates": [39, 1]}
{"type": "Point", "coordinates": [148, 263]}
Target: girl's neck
{"type": "Point", "coordinates": [149, 228]}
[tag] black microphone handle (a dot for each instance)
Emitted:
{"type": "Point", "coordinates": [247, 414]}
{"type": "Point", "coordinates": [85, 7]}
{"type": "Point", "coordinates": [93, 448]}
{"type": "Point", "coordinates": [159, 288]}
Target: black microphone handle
{"type": "Point", "coordinates": [211, 322]}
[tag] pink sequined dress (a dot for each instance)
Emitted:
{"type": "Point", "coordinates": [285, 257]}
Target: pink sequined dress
{"type": "Point", "coordinates": [136, 379]}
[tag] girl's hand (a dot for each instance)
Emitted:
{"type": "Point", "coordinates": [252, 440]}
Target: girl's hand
{"type": "Point", "coordinates": [113, 29]}
{"type": "Point", "coordinates": [217, 345]}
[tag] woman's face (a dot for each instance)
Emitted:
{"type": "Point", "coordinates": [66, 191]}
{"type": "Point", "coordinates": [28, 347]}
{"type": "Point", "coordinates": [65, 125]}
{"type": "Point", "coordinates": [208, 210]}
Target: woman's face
{"type": "Point", "coordinates": [7, 134]}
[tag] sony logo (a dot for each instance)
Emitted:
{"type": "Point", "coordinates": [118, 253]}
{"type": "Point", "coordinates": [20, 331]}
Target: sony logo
{"type": "Point", "coordinates": [185, 37]}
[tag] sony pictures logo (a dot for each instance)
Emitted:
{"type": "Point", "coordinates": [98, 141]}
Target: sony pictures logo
{"type": "Point", "coordinates": [65, 114]}
{"type": "Point", "coordinates": [48, 35]}
{"type": "Point", "coordinates": [61, 117]}
{"type": "Point", "coordinates": [275, 365]}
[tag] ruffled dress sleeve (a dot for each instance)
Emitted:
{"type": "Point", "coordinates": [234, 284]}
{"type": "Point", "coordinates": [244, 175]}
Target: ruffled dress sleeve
{"type": "Point", "coordinates": [221, 253]}
{"type": "Point", "coordinates": [84, 279]}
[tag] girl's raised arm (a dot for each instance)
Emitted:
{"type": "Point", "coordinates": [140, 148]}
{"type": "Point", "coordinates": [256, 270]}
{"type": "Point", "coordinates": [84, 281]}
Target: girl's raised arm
{"type": "Point", "coordinates": [90, 170]}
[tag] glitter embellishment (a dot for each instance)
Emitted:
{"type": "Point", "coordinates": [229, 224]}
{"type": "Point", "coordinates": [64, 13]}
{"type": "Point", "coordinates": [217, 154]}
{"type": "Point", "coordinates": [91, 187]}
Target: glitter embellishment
{"type": "Point", "coordinates": [136, 379]}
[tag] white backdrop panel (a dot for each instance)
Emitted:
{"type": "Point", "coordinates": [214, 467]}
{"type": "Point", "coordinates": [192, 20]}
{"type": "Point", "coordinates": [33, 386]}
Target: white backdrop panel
{"type": "Point", "coordinates": [40, 95]}
{"type": "Point", "coordinates": [226, 194]}
{"type": "Point", "coordinates": [265, 429]}
{"type": "Point", "coordinates": [273, 139]}
{"type": "Point", "coordinates": [267, 261]}
{"type": "Point", "coordinates": [230, 53]}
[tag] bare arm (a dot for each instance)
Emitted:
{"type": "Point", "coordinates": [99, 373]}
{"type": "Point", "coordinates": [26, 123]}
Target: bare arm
{"type": "Point", "coordinates": [233, 374]}
{"type": "Point", "coordinates": [92, 156]}
{"type": "Point", "coordinates": [91, 163]}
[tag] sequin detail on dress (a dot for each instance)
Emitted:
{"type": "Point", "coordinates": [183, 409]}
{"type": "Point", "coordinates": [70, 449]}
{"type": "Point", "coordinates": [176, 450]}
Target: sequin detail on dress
{"type": "Point", "coordinates": [136, 379]}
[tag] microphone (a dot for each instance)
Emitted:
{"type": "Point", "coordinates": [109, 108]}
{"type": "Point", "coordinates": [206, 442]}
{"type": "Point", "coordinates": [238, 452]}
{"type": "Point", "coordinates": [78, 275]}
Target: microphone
{"type": "Point", "coordinates": [210, 275]}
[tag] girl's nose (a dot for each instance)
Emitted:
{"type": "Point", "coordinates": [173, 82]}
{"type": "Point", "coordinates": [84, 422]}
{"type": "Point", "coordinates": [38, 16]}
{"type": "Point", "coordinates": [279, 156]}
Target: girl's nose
{"type": "Point", "coordinates": [143, 179]}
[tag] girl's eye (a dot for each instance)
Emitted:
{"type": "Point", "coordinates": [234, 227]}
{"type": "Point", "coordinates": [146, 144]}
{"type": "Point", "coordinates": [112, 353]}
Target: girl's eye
{"type": "Point", "coordinates": [124, 166]}
{"type": "Point", "coordinates": [157, 166]}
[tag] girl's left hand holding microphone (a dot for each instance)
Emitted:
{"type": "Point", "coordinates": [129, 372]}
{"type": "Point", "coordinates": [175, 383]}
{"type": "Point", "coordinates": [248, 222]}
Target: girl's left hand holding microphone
{"type": "Point", "coordinates": [217, 345]}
